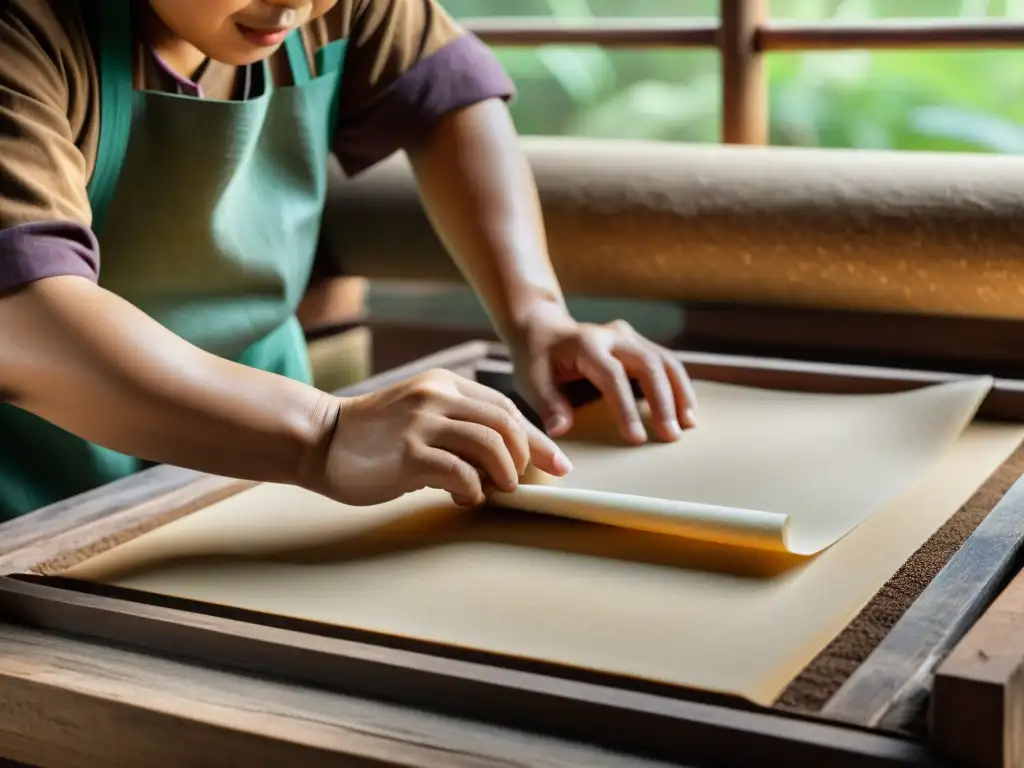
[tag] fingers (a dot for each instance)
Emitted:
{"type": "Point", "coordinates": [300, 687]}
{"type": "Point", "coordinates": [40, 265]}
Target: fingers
{"type": "Point", "coordinates": [682, 390]}
{"type": "Point", "coordinates": [666, 386]}
{"type": "Point", "coordinates": [616, 353]}
{"type": "Point", "coordinates": [437, 468]}
{"type": "Point", "coordinates": [504, 420]}
{"type": "Point", "coordinates": [551, 404]}
{"type": "Point", "coordinates": [606, 373]}
{"type": "Point", "coordinates": [474, 438]}
{"type": "Point", "coordinates": [482, 447]}
{"type": "Point", "coordinates": [648, 367]}
{"type": "Point", "coordinates": [545, 455]}
{"type": "Point", "coordinates": [531, 444]}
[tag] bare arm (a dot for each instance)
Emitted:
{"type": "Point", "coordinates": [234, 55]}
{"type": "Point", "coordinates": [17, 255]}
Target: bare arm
{"type": "Point", "coordinates": [91, 363]}
{"type": "Point", "coordinates": [479, 192]}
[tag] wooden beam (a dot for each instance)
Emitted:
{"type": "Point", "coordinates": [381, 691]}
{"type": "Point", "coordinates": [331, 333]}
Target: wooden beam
{"type": "Point", "coordinates": [767, 35]}
{"type": "Point", "coordinates": [646, 725]}
{"type": "Point", "coordinates": [1004, 401]}
{"type": "Point", "coordinates": [609, 32]}
{"type": "Point", "coordinates": [69, 703]}
{"type": "Point", "coordinates": [977, 705]}
{"type": "Point", "coordinates": [891, 35]}
{"type": "Point", "coordinates": [937, 342]}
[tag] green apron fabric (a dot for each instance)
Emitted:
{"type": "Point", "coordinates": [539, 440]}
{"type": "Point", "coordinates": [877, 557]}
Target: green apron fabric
{"type": "Point", "coordinates": [208, 222]}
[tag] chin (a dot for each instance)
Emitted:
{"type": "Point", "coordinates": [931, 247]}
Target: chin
{"type": "Point", "coordinates": [241, 54]}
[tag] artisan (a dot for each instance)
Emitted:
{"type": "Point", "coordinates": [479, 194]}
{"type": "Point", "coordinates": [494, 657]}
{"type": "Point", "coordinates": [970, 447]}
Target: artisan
{"type": "Point", "coordinates": [163, 168]}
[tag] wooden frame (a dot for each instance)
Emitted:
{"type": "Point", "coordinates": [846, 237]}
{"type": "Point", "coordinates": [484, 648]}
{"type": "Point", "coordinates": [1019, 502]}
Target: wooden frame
{"type": "Point", "coordinates": [859, 727]}
{"type": "Point", "coordinates": [742, 34]}
{"type": "Point", "coordinates": [603, 713]}
{"type": "Point", "coordinates": [929, 342]}
{"type": "Point", "coordinates": [892, 688]}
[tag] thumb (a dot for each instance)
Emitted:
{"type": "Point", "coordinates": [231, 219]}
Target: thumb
{"type": "Point", "coordinates": [544, 395]}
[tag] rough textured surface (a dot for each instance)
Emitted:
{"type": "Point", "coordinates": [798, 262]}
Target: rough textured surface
{"type": "Point", "coordinates": [857, 229]}
{"type": "Point", "coordinates": [824, 676]}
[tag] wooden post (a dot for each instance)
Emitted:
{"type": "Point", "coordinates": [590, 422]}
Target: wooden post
{"type": "Point", "coordinates": [744, 75]}
{"type": "Point", "coordinates": [977, 704]}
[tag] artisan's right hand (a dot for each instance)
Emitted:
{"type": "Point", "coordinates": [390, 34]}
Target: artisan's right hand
{"type": "Point", "coordinates": [437, 430]}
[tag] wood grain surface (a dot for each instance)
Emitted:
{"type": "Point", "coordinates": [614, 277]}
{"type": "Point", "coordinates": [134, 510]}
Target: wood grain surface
{"type": "Point", "coordinates": [977, 708]}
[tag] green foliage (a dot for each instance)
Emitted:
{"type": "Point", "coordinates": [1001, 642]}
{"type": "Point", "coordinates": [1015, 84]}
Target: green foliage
{"type": "Point", "coordinates": [927, 100]}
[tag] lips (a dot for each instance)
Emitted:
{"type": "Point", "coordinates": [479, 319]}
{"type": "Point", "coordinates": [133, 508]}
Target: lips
{"type": "Point", "coordinates": [263, 36]}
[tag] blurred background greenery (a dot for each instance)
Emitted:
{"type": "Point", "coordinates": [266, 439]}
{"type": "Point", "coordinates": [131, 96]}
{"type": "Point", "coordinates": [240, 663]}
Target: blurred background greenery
{"type": "Point", "coordinates": [946, 100]}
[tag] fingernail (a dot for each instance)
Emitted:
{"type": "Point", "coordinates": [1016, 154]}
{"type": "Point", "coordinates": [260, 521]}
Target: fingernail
{"type": "Point", "coordinates": [673, 429]}
{"type": "Point", "coordinates": [637, 432]}
{"type": "Point", "coordinates": [691, 417]}
{"type": "Point", "coordinates": [562, 463]}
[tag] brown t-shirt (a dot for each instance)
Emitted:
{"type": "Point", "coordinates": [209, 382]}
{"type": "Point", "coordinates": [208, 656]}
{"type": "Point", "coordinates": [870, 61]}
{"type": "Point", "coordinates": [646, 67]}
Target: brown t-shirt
{"type": "Point", "coordinates": [407, 64]}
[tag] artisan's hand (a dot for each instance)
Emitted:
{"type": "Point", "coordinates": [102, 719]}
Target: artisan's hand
{"type": "Point", "coordinates": [437, 430]}
{"type": "Point", "coordinates": [554, 349]}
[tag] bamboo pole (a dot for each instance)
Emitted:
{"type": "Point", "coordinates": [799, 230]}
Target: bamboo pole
{"type": "Point", "coordinates": [744, 74]}
{"type": "Point", "coordinates": [892, 35]}
{"type": "Point", "coordinates": [769, 35]}
{"type": "Point", "coordinates": [610, 33]}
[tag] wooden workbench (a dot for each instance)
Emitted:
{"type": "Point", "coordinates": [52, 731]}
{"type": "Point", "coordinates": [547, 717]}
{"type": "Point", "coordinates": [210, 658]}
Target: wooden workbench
{"type": "Point", "coordinates": [100, 676]}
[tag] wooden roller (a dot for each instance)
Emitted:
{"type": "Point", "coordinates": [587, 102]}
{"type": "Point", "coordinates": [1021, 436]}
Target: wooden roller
{"type": "Point", "coordinates": [894, 232]}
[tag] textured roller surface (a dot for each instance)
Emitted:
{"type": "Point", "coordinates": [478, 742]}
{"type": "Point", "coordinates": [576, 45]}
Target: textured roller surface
{"type": "Point", "coordinates": [839, 229]}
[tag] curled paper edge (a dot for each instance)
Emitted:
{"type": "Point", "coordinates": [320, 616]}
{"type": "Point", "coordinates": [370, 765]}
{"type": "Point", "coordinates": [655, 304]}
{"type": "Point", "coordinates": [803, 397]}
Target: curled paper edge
{"type": "Point", "coordinates": [705, 522]}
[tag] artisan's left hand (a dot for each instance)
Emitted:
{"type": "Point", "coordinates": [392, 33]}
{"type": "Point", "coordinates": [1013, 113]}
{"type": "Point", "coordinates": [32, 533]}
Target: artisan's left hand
{"type": "Point", "coordinates": [554, 349]}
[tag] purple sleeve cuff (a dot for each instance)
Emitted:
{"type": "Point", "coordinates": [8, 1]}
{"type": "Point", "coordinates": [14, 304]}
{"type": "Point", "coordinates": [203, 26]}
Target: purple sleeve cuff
{"type": "Point", "coordinates": [31, 252]}
{"type": "Point", "coordinates": [462, 73]}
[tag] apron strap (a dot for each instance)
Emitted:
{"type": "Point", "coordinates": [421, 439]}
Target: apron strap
{"type": "Point", "coordinates": [332, 57]}
{"type": "Point", "coordinates": [110, 22]}
{"type": "Point", "coordinates": [298, 59]}
{"type": "Point", "coordinates": [328, 59]}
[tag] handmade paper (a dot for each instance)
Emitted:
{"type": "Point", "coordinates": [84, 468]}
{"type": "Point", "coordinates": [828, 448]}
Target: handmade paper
{"type": "Point", "coordinates": [677, 609]}
{"type": "Point", "coordinates": [730, 483]}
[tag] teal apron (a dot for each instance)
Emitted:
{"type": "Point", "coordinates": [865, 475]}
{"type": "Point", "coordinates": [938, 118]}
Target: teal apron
{"type": "Point", "coordinates": [208, 217]}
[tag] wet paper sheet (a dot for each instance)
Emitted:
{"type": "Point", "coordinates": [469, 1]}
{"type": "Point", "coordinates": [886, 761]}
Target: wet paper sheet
{"type": "Point", "coordinates": [843, 490]}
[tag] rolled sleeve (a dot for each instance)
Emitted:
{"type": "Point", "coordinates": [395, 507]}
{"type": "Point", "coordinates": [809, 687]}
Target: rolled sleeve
{"type": "Point", "coordinates": [39, 250]}
{"type": "Point", "coordinates": [409, 64]}
{"type": "Point", "coordinates": [45, 217]}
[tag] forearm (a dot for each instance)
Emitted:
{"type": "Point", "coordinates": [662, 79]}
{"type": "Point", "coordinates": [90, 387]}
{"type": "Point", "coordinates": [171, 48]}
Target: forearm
{"type": "Point", "coordinates": [479, 192]}
{"type": "Point", "coordinates": [96, 366]}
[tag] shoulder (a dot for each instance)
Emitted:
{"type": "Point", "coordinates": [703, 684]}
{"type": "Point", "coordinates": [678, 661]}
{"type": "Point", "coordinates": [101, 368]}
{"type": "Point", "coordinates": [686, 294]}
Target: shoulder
{"type": "Point", "coordinates": [45, 49]}
{"type": "Point", "coordinates": [48, 80]}
{"type": "Point", "coordinates": [409, 22]}
{"type": "Point", "coordinates": [55, 26]}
